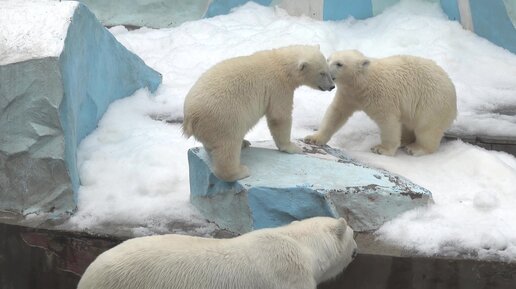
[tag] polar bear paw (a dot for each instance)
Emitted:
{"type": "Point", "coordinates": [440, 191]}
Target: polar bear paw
{"type": "Point", "coordinates": [415, 150]}
{"type": "Point", "coordinates": [245, 144]}
{"type": "Point", "coordinates": [314, 139]}
{"type": "Point", "coordinates": [291, 148]}
{"type": "Point", "coordinates": [241, 172]}
{"type": "Point", "coordinates": [381, 150]}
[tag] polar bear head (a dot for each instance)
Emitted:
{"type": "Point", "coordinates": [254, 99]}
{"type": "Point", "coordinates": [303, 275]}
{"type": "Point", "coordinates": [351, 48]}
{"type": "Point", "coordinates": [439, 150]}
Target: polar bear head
{"type": "Point", "coordinates": [313, 69]}
{"type": "Point", "coordinates": [347, 66]}
{"type": "Point", "coordinates": [329, 240]}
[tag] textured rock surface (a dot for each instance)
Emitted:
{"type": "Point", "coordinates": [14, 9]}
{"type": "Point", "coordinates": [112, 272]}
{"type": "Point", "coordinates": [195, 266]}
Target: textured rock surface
{"type": "Point", "coordinates": [285, 187]}
{"type": "Point", "coordinates": [149, 13]}
{"type": "Point", "coordinates": [48, 105]}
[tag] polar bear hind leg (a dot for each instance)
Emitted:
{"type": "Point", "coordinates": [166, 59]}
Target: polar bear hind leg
{"type": "Point", "coordinates": [407, 136]}
{"type": "Point", "coordinates": [225, 159]}
{"type": "Point", "coordinates": [427, 141]}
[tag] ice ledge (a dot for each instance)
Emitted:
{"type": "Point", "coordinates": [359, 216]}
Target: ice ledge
{"type": "Point", "coordinates": [286, 187]}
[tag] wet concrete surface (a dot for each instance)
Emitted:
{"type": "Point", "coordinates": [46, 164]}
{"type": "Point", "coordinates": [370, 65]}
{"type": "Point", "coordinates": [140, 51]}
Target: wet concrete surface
{"type": "Point", "coordinates": [496, 143]}
{"type": "Point", "coordinates": [387, 272]}
{"type": "Point", "coordinates": [33, 258]}
{"type": "Point", "coordinates": [40, 259]}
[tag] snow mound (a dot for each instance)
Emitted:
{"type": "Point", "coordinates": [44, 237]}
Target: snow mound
{"type": "Point", "coordinates": [32, 33]}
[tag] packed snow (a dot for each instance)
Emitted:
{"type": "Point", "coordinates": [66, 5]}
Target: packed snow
{"type": "Point", "coordinates": [143, 158]}
{"type": "Point", "coordinates": [33, 29]}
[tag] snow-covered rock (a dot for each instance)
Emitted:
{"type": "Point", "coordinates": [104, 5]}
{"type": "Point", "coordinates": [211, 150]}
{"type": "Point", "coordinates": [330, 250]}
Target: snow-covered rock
{"type": "Point", "coordinates": [59, 71]}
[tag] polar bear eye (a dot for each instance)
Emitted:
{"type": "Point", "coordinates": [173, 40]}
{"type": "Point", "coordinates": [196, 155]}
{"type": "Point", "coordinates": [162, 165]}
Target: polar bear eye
{"type": "Point", "coordinates": [338, 64]}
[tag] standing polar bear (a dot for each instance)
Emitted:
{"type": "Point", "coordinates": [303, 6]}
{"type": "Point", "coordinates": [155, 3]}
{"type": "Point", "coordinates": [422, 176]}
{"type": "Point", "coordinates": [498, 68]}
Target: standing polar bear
{"type": "Point", "coordinates": [410, 98]}
{"type": "Point", "coordinates": [230, 98]}
{"type": "Point", "coordinates": [297, 256]}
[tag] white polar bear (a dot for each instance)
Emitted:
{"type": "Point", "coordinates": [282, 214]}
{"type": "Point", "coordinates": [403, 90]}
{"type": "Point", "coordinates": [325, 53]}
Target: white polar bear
{"type": "Point", "coordinates": [296, 256]}
{"type": "Point", "coordinates": [410, 98]}
{"type": "Point", "coordinates": [230, 98]}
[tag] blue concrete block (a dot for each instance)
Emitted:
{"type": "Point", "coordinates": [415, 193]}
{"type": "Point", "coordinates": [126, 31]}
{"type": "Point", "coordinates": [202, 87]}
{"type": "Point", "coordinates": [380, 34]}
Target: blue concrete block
{"type": "Point", "coordinates": [451, 8]}
{"type": "Point", "coordinates": [148, 13]}
{"type": "Point", "coordinates": [342, 9]}
{"type": "Point", "coordinates": [96, 70]}
{"type": "Point", "coordinates": [222, 7]}
{"type": "Point", "coordinates": [287, 187]}
{"type": "Point", "coordinates": [48, 105]}
{"type": "Point", "coordinates": [491, 20]}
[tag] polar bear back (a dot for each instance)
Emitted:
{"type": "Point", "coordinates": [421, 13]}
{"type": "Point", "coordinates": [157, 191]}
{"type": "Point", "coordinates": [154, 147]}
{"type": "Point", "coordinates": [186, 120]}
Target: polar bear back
{"type": "Point", "coordinates": [176, 262]}
{"type": "Point", "coordinates": [233, 95]}
{"type": "Point", "coordinates": [232, 88]}
{"type": "Point", "coordinates": [414, 88]}
{"type": "Point", "coordinates": [294, 256]}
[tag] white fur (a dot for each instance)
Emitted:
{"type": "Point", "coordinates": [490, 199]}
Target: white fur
{"type": "Point", "coordinates": [230, 98]}
{"type": "Point", "coordinates": [410, 98]}
{"type": "Point", "coordinates": [297, 256]}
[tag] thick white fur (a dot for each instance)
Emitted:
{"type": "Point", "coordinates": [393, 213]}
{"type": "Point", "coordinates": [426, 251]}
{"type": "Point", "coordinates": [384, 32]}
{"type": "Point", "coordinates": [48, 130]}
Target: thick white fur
{"type": "Point", "coordinates": [411, 99]}
{"type": "Point", "coordinates": [230, 98]}
{"type": "Point", "coordinates": [297, 256]}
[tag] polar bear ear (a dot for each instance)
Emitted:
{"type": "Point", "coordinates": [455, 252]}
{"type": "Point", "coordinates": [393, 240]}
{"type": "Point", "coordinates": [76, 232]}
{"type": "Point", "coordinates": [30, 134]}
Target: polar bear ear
{"type": "Point", "coordinates": [341, 228]}
{"type": "Point", "coordinates": [302, 65]}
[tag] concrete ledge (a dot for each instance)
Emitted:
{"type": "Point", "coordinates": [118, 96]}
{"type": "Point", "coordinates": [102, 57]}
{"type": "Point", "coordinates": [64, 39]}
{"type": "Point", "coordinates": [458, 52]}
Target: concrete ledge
{"type": "Point", "coordinates": [490, 142]}
{"type": "Point", "coordinates": [32, 258]}
{"type": "Point", "coordinates": [287, 187]}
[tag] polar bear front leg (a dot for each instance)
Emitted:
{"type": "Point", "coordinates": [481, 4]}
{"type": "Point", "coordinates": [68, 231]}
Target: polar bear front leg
{"type": "Point", "coordinates": [334, 118]}
{"type": "Point", "coordinates": [225, 158]}
{"type": "Point", "coordinates": [390, 133]}
{"type": "Point", "coordinates": [280, 130]}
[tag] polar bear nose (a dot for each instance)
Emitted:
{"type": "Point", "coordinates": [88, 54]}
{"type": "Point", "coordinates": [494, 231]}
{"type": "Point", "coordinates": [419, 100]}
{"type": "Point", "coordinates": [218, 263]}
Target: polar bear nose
{"type": "Point", "coordinates": [354, 254]}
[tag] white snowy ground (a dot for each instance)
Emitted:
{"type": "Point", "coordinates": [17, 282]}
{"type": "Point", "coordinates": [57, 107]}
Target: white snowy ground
{"type": "Point", "coordinates": [144, 179]}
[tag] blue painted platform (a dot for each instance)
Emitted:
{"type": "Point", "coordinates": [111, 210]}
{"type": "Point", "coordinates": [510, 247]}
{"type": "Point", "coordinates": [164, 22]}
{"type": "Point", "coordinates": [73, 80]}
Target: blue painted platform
{"type": "Point", "coordinates": [287, 187]}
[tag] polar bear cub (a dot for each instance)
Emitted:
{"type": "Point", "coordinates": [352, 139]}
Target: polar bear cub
{"type": "Point", "coordinates": [230, 98]}
{"type": "Point", "coordinates": [296, 256]}
{"type": "Point", "coordinates": [411, 99]}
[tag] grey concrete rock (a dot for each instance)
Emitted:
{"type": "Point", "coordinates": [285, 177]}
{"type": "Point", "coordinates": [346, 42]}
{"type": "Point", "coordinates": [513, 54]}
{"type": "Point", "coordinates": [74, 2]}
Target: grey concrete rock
{"type": "Point", "coordinates": [287, 187]}
{"type": "Point", "coordinates": [48, 105]}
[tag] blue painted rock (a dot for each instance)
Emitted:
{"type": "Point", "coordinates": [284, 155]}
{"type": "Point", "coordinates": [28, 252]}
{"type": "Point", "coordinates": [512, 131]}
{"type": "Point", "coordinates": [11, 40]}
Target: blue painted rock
{"type": "Point", "coordinates": [287, 187]}
{"type": "Point", "coordinates": [57, 78]}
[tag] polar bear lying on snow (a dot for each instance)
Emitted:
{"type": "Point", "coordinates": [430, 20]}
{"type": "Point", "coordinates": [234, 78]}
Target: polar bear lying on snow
{"type": "Point", "coordinates": [410, 98]}
{"type": "Point", "coordinates": [297, 256]}
{"type": "Point", "coordinates": [230, 98]}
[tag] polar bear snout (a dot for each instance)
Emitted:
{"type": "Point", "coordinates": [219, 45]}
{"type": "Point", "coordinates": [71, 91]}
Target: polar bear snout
{"type": "Point", "coordinates": [354, 254]}
{"type": "Point", "coordinates": [325, 82]}
{"type": "Point", "coordinates": [328, 89]}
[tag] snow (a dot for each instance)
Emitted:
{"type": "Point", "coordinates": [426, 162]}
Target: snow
{"type": "Point", "coordinates": [33, 29]}
{"type": "Point", "coordinates": [134, 171]}
{"type": "Point", "coordinates": [134, 168]}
